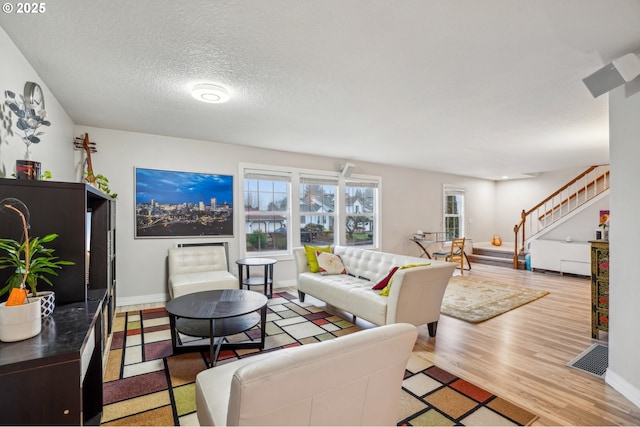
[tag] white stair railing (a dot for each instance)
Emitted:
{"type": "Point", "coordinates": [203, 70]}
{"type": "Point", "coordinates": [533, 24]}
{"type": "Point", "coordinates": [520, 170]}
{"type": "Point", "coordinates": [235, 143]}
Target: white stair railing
{"type": "Point", "coordinates": [558, 205]}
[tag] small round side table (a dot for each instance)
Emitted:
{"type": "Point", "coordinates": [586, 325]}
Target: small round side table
{"type": "Point", "coordinates": [245, 265]}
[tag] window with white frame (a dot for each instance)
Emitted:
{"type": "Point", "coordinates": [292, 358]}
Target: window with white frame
{"type": "Point", "coordinates": [329, 210]}
{"type": "Point", "coordinates": [266, 210]}
{"type": "Point", "coordinates": [317, 209]}
{"type": "Point", "coordinates": [453, 212]}
{"type": "Point", "coordinates": [361, 212]}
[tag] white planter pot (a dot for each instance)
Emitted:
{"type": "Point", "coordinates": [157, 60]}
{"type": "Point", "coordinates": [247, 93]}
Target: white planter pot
{"type": "Point", "coordinates": [20, 322]}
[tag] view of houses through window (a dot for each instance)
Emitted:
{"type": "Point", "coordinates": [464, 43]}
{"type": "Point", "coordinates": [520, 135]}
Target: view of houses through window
{"type": "Point", "coordinates": [317, 210]}
{"type": "Point", "coordinates": [361, 210]}
{"type": "Point", "coordinates": [328, 210]}
{"type": "Point", "coordinates": [266, 210]}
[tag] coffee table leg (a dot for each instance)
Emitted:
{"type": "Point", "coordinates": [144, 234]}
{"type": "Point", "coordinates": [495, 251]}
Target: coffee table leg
{"type": "Point", "coordinates": [214, 344]}
{"type": "Point", "coordinates": [174, 332]}
{"type": "Point", "coordinates": [263, 323]}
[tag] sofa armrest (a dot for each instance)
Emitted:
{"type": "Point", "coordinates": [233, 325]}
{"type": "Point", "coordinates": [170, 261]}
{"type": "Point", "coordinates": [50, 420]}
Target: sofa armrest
{"type": "Point", "coordinates": [416, 294]}
{"type": "Point", "coordinates": [302, 264]}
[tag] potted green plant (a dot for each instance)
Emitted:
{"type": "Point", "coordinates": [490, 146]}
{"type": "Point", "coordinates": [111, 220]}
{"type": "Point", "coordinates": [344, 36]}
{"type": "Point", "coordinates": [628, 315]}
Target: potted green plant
{"type": "Point", "coordinates": [19, 316]}
{"type": "Point", "coordinates": [30, 260]}
{"type": "Point", "coordinates": [36, 260]}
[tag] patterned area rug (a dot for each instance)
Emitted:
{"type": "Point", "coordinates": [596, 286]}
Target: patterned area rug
{"type": "Point", "coordinates": [145, 384]}
{"type": "Point", "coordinates": [476, 300]}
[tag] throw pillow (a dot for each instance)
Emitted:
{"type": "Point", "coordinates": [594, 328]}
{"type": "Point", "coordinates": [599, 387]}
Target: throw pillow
{"type": "Point", "coordinates": [384, 282]}
{"type": "Point", "coordinates": [330, 263]}
{"type": "Point", "coordinates": [385, 291]}
{"type": "Point", "coordinates": [311, 256]}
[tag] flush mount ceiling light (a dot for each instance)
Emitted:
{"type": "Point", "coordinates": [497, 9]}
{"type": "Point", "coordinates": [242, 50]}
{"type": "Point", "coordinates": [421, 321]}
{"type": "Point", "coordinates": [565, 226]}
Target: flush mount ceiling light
{"type": "Point", "coordinates": [211, 93]}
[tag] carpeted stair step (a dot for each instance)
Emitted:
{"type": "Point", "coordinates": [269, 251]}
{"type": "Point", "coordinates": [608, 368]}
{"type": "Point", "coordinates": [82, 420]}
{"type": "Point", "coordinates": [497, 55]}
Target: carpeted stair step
{"type": "Point", "coordinates": [497, 257]}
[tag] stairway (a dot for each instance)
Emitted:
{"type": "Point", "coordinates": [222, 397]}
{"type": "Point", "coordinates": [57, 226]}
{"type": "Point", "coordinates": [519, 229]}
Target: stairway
{"type": "Point", "coordinates": [561, 205]}
{"type": "Point", "coordinates": [497, 256]}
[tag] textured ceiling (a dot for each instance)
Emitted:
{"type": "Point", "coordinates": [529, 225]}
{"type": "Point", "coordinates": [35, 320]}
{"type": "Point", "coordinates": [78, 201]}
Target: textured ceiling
{"type": "Point", "coordinates": [479, 88]}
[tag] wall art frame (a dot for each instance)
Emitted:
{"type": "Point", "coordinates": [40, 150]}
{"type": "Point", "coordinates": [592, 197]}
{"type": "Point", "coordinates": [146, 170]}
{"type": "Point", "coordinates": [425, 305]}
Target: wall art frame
{"type": "Point", "coordinates": [172, 204]}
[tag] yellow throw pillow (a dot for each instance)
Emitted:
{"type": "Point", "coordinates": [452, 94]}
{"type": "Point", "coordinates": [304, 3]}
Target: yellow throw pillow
{"type": "Point", "coordinates": [311, 256]}
{"type": "Point", "coordinates": [385, 291]}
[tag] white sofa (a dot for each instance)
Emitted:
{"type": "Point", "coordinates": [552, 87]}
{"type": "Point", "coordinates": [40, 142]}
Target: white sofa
{"type": "Point", "coordinates": [199, 268]}
{"type": "Point", "coordinates": [415, 296]}
{"type": "Point", "coordinates": [352, 380]}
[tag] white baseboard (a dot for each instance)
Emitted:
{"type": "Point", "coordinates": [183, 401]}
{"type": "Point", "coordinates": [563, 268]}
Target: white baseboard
{"type": "Point", "coordinates": [163, 298]}
{"type": "Point", "coordinates": [142, 299]}
{"type": "Point", "coordinates": [286, 283]}
{"type": "Point", "coordinates": [623, 387]}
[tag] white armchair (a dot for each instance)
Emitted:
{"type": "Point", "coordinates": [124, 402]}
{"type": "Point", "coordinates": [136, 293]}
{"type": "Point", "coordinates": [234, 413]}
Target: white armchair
{"type": "Point", "coordinates": [199, 268]}
{"type": "Point", "coordinates": [351, 380]}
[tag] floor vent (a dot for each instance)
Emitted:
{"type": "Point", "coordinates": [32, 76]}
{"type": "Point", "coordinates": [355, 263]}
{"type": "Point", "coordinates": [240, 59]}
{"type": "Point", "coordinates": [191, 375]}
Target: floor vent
{"type": "Point", "coordinates": [593, 360]}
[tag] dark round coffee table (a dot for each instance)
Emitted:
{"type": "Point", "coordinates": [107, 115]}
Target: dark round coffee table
{"type": "Point", "coordinates": [216, 314]}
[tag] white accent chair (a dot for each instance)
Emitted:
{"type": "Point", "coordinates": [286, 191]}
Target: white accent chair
{"type": "Point", "coordinates": [199, 268]}
{"type": "Point", "coordinates": [351, 380]}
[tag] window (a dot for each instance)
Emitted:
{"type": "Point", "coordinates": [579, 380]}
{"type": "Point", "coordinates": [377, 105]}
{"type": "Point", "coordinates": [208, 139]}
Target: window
{"type": "Point", "coordinates": [453, 212]}
{"type": "Point", "coordinates": [266, 209]}
{"type": "Point", "coordinates": [317, 209]}
{"type": "Point", "coordinates": [288, 207]}
{"type": "Point", "coordinates": [361, 207]}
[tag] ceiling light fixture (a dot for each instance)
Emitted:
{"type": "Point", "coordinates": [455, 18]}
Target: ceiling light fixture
{"type": "Point", "coordinates": [211, 93]}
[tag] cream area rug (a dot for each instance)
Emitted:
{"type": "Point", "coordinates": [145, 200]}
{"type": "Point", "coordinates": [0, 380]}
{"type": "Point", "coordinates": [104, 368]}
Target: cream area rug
{"type": "Point", "coordinates": [475, 300]}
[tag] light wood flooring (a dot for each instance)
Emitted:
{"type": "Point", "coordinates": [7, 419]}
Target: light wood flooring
{"type": "Point", "coordinates": [522, 355]}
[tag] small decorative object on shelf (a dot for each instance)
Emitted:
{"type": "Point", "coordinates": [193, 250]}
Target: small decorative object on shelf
{"type": "Point", "coordinates": [604, 224]}
{"type": "Point", "coordinates": [29, 109]}
{"type": "Point", "coordinates": [98, 181]}
{"type": "Point", "coordinates": [496, 240]}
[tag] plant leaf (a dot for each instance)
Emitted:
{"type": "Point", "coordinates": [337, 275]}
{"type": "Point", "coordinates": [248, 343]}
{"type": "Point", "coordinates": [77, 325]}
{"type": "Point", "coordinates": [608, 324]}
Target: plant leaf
{"type": "Point", "coordinates": [16, 110]}
{"type": "Point", "coordinates": [49, 238]}
{"type": "Point", "coordinates": [22, 124]}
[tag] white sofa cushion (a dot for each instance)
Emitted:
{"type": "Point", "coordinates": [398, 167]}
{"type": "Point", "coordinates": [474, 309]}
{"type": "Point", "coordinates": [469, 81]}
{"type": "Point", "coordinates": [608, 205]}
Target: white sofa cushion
{"type": "Point", "coordinates": [187, 283]}
{"type": "Point", "coordinates": [198, 268]}
{"type": "Point", "coordinates": [346, 292]}
{"type": "Point", "coordinates": [373, 265]}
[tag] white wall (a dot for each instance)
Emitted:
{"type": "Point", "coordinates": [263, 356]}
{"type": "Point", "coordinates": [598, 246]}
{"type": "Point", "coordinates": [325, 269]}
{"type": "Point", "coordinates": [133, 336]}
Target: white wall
{"type": "Point", "coordinates": [624, 289]}
{"type": "Point", "coordinates": [55, 151]}
{"type": "Point", "coordinates": [514, 196]}
{"type": "Point", "coordinates": [582, 226]}
{"type": "Point", "coordinates": [411, 200]}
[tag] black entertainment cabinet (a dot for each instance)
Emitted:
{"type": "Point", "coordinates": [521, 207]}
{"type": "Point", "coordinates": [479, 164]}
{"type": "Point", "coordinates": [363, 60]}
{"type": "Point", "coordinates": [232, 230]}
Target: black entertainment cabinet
{"type": "Point", "coordinates": [55, 378]}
